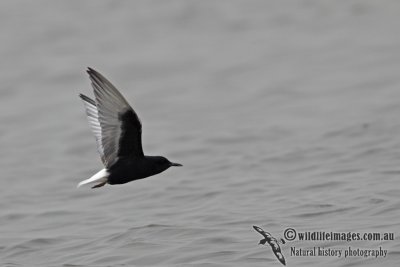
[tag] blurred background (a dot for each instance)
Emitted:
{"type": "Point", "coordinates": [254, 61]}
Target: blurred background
{"type": "Point", "coordinates": [283, 113]}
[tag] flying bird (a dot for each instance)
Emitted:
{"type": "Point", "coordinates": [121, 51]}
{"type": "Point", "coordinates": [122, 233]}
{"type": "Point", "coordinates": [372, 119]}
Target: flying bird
{"type": "Point", "coordinates": [273, 242]}
{"type": "Point", "coordinates": [118, 133]}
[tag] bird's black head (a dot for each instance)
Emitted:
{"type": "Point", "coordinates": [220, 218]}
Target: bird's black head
{"type": "Point", "coordinates": [162, 163]}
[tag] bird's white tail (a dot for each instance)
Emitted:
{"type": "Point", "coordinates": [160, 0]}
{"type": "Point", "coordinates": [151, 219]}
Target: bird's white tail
{"type": "Point", "coordinates": [99, 177]}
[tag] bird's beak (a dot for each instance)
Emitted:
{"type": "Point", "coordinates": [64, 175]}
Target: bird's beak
{"type": "Point", "coordinates": [176, 164]}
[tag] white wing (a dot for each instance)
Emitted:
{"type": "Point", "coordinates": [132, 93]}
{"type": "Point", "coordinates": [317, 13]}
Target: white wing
{"type": "Point", "coordinates": [93, 119]}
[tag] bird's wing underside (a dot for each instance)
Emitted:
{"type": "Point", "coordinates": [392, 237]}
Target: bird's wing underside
{"type": "Point", "coordinates": [93, 119]}
{"type": "Point", "coordinates": [114, 123]}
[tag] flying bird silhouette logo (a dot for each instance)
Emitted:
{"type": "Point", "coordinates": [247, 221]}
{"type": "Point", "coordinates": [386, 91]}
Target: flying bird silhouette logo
{"type": "Point", "coordinates": [273, 242]}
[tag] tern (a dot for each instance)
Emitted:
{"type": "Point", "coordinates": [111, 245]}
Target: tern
{"type": "Point", "coordinates": [118, 133]}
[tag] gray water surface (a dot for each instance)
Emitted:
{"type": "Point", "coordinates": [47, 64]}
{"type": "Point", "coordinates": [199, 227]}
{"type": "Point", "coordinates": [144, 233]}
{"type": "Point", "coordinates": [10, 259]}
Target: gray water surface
{"type": "Point", "coordinates": [283, 113]}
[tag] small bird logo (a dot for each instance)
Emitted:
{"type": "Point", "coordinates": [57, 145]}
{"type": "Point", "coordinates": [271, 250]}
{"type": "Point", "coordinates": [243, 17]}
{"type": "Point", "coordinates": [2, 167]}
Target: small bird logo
{"type": "Point", "coordinates": [273, 242]}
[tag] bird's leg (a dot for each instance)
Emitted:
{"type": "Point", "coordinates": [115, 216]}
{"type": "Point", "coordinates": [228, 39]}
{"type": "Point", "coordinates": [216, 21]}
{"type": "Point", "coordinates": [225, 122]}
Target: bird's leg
{"type": "Point", "coordinates": [99, 185]}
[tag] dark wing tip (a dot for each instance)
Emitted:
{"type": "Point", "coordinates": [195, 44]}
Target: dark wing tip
{"type": "Point", "coordinates": [282, 260]}
{"type": "Point", "coordinates": [87, 99]}
{"type": "Point", "coordinates": [89, 69]}
{"type": "Point", "coordinates": [98, 78]}
{"type": "Point", "coordinates": [93, 73]}
{"type": "Point", "coordinates": [258, 229]}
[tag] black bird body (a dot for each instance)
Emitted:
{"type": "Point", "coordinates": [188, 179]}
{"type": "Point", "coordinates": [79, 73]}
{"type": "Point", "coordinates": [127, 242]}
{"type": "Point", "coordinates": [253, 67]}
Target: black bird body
{"type": "Point", "coordinates": [127, 170]}
{"type": "Point", "coordinates": [118, 133]}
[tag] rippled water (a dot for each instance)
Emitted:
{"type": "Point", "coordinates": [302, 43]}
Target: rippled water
{"type": "Point", "coordinates": [284, 114]}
